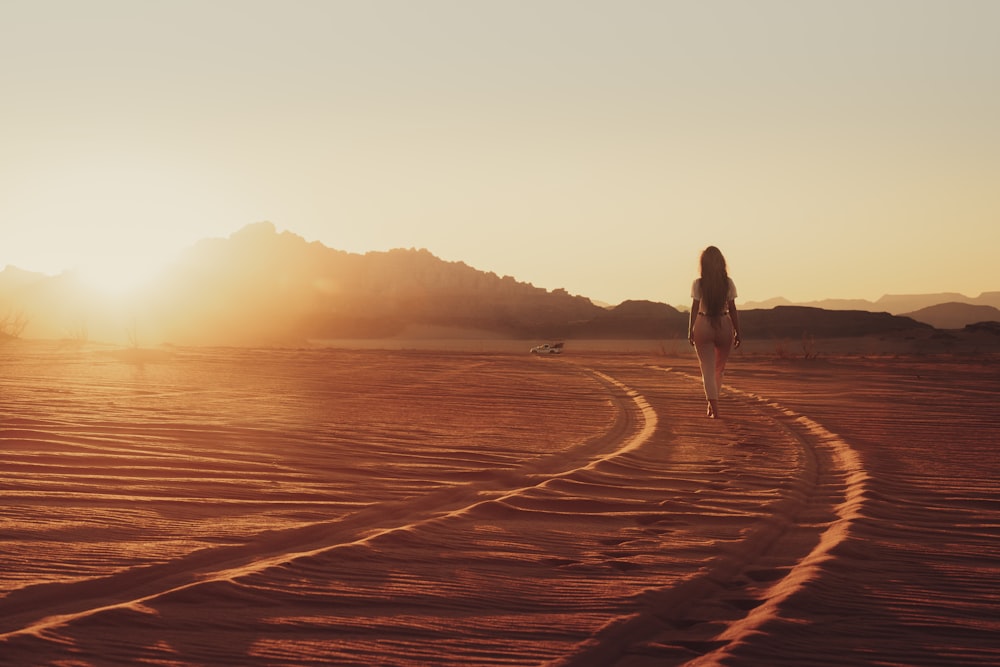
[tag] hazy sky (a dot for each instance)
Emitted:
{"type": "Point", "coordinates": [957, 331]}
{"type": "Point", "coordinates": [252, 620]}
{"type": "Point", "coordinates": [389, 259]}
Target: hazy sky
{"type": "Point", "coordinates": [830, 149]}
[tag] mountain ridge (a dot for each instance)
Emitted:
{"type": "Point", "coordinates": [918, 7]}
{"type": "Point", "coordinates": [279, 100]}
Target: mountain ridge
{"type": "Point", "coordinates": [260, 286]}
{"type": "Point", "coordinates": [955, 315]}
{"type": "Point", "coordinates": [895, 304]}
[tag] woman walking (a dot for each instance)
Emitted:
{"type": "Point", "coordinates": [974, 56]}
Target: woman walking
{"type": "Point", "coordinates": [714, 327]}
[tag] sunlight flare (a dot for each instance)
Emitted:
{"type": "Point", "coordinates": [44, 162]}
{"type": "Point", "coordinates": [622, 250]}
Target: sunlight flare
{"type": "Point", "coordinates": [122, 273]}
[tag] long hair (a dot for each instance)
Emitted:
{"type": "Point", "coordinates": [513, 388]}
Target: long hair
{"type": "Point", "coordinates": [714, 281]}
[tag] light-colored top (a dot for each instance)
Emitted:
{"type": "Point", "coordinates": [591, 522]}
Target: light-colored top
{"type": "Point", "coordinates": [696, 290]}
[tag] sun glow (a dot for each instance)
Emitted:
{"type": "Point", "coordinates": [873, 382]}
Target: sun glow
{"type": "Point", "coordinates": [121, 274]}
{"type": "Point", "coordinates": [113, 215]}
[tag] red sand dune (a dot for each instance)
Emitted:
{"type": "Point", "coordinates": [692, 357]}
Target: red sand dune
{"type": "Point", "coordinates": [250, 507]}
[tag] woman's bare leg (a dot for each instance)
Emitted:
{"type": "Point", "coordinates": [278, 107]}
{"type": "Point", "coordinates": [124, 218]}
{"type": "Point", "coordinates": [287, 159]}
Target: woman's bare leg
{"type": "Point", "coordinates": [706, 339]}
{"type": "Point", "coordinates": [722, 341]}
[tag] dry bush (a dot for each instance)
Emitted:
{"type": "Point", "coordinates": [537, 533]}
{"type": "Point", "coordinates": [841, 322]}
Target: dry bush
{"type": "Point", "coordinates": [808, 346]}
{"type": "Point", "coordinates": [12, 324]}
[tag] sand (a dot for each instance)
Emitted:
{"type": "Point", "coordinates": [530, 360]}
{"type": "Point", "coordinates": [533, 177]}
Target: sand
{"type": "Point", "coordinates": [430, 507]}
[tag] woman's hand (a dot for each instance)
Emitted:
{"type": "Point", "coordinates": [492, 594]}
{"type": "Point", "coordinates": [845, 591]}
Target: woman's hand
{"type": "Point", "coordinates": [691, 338]}
{"type": "Point", "coordinates": [737, 339]}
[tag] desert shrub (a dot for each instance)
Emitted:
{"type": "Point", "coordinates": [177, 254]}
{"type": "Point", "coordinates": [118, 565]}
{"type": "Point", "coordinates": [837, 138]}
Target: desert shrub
{"type": "Point", "coordinates": [808, 346]}
{"type": "Point", "coordinates": [12, 324]}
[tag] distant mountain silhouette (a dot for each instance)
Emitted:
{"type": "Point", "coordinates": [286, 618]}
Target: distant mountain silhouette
{"type": "Point", "coordinates": [955, 315]}
{"type": "Point", "coordinates": [988, 299]}
{"type": "Point", "coordinates": [897, 304]}
{"type": "Point", "coordinates": [53, 306]}
{"type": "Point", "coordinates": [796, 321]}
{"type": "Point", "coordinates": [262, 287]}
{"type": "Point", "coordinates": [826, 304]}
{"type": "Point", "coordinates": [639, 319]}
{"type": "Point", "coordinates": [12, 278]}
{"type": "Point", "coordinates": [905, 303]}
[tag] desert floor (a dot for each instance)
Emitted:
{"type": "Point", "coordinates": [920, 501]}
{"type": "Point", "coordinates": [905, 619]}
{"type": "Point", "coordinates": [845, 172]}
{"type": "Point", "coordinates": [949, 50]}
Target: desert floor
{"type": "Point", "coordinates": [432, 507]}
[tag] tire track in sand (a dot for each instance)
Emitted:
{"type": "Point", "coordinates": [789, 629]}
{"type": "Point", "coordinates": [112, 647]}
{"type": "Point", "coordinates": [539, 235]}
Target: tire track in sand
{"type": "Point", "coordinates": [700, 621]}
{"type": "Point", "coordinates": [35, 610]}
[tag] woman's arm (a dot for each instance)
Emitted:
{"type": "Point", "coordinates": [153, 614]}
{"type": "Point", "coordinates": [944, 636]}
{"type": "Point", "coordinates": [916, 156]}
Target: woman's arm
{"type": "Point", "coordinates": [735, 317]}
{"type": "Point", "coordinates": [695, 307]}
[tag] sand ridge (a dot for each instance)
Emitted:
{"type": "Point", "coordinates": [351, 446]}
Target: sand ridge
{"type": "Point", "coordinates": [276, 548]}
{"type": "Point", "coordinates": [374, 507]}
{"type": "Point", "coordinates": [742, 590]}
